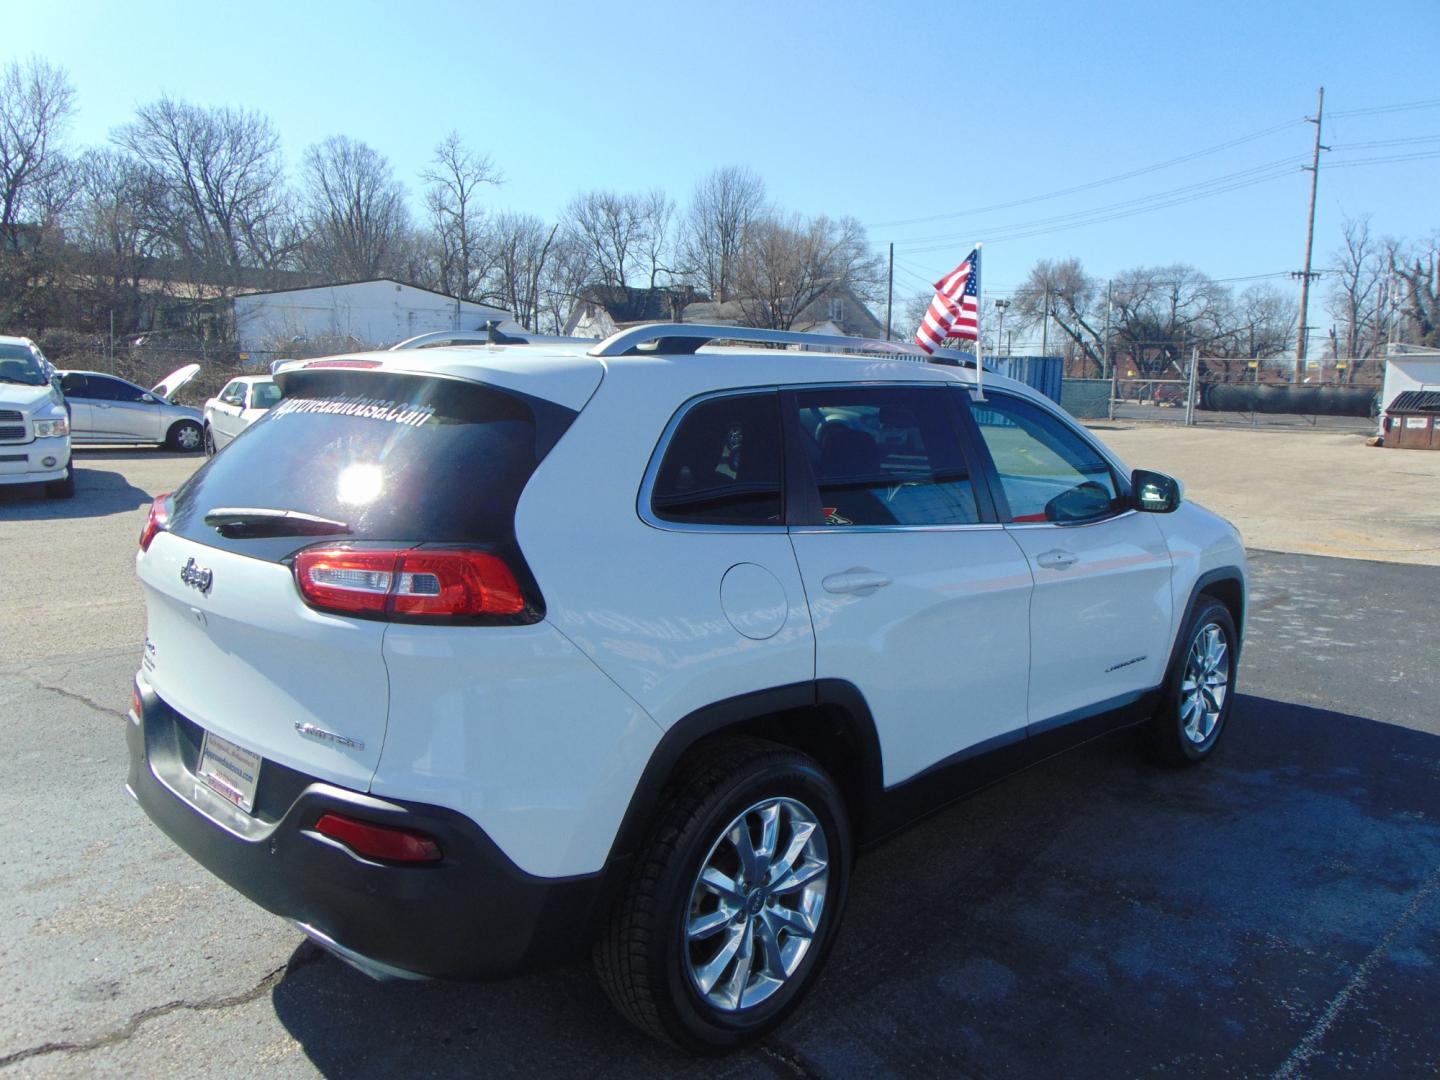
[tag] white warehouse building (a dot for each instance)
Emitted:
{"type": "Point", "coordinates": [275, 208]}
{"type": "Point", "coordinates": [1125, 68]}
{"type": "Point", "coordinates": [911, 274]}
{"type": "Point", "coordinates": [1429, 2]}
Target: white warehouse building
{"type": "Point", "coordinates": [358, 314]}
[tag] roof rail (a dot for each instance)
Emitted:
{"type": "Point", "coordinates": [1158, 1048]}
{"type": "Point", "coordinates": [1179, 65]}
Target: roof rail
{"type": "Point", "coordinates": [683, 339]}
{"type": "Point", "coordinates": [490, 335]}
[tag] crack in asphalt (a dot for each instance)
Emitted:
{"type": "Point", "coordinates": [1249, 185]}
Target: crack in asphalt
{"type": "Point", "coordinates": [81, 699]}
{"type": "Point", "coordinates": [306, 955]}
{"type": "Point", "coordinates": [787, 1061]}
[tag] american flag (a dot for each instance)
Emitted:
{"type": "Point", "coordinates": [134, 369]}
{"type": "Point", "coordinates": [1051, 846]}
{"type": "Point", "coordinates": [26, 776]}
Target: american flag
{"type": "Point", "coordinates": [954, 313]}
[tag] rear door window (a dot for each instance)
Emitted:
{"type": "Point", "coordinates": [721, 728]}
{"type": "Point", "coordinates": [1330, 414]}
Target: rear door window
{"type": "Point", "coordinates": [723, 464]}
{"type": "Point", "coordinates": [396, 458]}
{"type": "Point", "coordinates": [886, 455]}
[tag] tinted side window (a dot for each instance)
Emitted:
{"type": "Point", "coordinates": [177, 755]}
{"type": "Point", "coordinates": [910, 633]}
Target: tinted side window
{"type": "Point", "coordinates": [1048, 471]}
{"type": "Point", "coordinates": [886, 456]}
{"type": "Point", "coordinates": [100, 388]}
{"type": "Point", "coordinates": [723, 464]}
{"type": "Point", "coordinates": [74, 386]}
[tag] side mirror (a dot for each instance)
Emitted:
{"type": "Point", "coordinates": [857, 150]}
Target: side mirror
{"type": "Point", "coordinates": [1156, 493]}
{"type": "Point", "coordinates": [149, 399]}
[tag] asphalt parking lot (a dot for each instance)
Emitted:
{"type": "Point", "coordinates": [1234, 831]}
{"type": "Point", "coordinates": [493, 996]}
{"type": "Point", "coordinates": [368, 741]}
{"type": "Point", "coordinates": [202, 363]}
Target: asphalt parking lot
{"type": "Point", "coordinates": [1276, 912]}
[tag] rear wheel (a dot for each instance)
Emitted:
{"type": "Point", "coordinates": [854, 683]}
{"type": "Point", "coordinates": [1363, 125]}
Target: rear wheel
{"type": "Point", "coordinates": [209, 441]}
{"type": "Point", "coordinates": [1200, 691]}
{"type": "Point", "coordinates": [184, 436]}
{"type": "Point", "coordinates": [735, 902]}
{"type": "Point", "coordinates": [62, 489]}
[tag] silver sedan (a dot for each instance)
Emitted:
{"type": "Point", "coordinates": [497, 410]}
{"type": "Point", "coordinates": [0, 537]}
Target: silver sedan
{"type": "Point", "coordinates": [107, 409]}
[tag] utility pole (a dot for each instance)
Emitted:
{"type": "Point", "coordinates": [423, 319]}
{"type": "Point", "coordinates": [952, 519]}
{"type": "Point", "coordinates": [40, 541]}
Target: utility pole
{"type": "Point", "coordinates": [890, 291]}
{"type": "Point", "coordinates": [1045, 326]}
{"type": "Point", "coordinates": [1307, 275]}
{"type": "Point", "coordinates": [1107, 362]}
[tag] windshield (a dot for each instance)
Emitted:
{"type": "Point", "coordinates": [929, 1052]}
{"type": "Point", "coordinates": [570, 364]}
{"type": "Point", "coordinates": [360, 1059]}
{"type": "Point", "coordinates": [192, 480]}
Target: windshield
{"type": "Point", "coordinates": [18, 365]}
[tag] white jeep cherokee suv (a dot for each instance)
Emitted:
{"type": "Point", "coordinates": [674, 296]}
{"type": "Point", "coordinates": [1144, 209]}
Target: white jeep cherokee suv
{"type": "Point", "coordinates": [471, 658]}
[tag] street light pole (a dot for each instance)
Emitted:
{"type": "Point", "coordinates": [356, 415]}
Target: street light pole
{"type": "Point", "coordinates": [1000, 306]}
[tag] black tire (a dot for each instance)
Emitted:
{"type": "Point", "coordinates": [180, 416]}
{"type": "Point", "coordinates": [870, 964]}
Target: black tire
{"type": "Point", "coordinates": [643, 957]}
{"type": "Point", "coordinates": [1178, 734]}
{"type": "Point", "coordinates": [184, 436]}
{"type": "Point", "coordinates": [209, 441]}
{"type": "Point", "coordinates": [62, 489]}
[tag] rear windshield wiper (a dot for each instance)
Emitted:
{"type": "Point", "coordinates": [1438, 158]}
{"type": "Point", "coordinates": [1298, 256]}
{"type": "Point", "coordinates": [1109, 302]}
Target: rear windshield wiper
{"type": "Point", "coordinates": [245, 522]}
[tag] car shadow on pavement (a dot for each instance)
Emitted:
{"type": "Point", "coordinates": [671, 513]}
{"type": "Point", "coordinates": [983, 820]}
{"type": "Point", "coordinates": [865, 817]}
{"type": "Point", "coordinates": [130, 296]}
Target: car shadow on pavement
{"type": "Point", "coordinates": [98, 493]}
{"type": "Point", "coordinates": [1094, 916]}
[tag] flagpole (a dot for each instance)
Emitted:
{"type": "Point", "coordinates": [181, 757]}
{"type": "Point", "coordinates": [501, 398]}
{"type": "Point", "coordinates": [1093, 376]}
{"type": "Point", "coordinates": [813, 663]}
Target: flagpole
{"type": "Point", "coordinates": [979, 335]}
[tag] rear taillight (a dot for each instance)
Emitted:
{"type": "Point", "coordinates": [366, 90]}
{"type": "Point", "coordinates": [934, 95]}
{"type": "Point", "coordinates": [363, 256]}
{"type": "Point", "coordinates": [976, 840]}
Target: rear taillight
{"type": "Point", "coordinates": [415, 582]}
{"type": "Point", "coordinates": [157, 522]}
{"type": "Point", "coordinates": [379, 841]}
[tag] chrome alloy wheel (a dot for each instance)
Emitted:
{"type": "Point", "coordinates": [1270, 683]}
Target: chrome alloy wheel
{"type": "Point", "coordinates": [1205, 683]}
{"type": "Point", "coordinates": [756, 904]}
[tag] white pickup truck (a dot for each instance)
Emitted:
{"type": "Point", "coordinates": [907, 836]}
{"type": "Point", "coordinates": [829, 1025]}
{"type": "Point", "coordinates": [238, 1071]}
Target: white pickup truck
{"type": "Point", "coordinates": [34, 422]}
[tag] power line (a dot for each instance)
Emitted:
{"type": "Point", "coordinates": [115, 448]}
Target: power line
{"type": "Point", "coordinates": [1285, 164]}
{"type": "Point", "coordinates": [1093, 183]}
{"type": "Point", "coordinates": [1376, 110]}
{"type": "Point", "coordinates": [1391, 159]}
{"type": "Point", "coordinates": [1386, 142]}
{"type": "Point", "coordinates": [1115, 211]}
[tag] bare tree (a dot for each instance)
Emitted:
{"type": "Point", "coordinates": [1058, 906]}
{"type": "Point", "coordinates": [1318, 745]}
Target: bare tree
{"type": "Point", "coordinates": [456, 178]}
{"type": "Point", "coordinates": [723, 206]}
{"type": "Point", "coordinates": [108, 231]}
{"type": "Point", "coordinates": [657, 212]}
{"type": "Point", "coordinates": [215, 186]}
{"type": "Point", "coordinates": [1354, 301]}
{"type": "Point", "coordinates": [355, 212]}
{"type": "Point", "coordinates": [615, 233]}
{"type": "Point", "coordinates": [521, 244]}
{"type": "Point", "coordinates": [1072, 299]}
{"type": "Point", "coordinates": [1418, 270]}
{"type": "Point", "coordinates": [1161, 313]}
{"type": "Point", "coordinates": [1263, 323]}
{"type": "Point", "coordinates": [563, 278]}
{"type": "Point", "coordinates": [787, 264]}
{"type": "Point", "coordinates": [36, 103]}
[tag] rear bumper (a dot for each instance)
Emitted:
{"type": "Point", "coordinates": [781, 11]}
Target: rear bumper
{"type": "Point", "coordinates": [471, 915]}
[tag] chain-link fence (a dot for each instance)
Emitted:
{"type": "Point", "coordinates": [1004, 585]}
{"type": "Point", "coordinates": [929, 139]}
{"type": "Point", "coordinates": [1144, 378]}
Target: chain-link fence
{"type": "Point", "coordinates": [1193, 393]}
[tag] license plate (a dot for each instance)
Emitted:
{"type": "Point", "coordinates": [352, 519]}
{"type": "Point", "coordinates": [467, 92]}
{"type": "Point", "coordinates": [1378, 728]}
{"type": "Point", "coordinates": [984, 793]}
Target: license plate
{"type": "Point", "coordinates": [230, 771]}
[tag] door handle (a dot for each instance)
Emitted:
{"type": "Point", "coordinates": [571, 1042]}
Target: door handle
{"type": "Point", "coordinates": [1056, 559]}
{"type": "Point", "coordinates": [857, 580]}
{"type": "Point", "coordinates": [101, 405]}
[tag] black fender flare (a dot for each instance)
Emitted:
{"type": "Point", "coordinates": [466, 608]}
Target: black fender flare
{"type": "Point", "coordinates": [1228, 574]}
{"type": "Point", "coordinates": [839, 704]}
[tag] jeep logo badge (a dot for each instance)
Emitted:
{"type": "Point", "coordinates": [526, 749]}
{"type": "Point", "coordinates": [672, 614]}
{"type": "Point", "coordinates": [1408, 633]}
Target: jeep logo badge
{"type": "Point", "coordinates": [197, 576]}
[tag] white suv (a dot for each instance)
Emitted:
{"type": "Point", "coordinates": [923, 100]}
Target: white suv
{"type": "Point", "coordinates": [471, 658]}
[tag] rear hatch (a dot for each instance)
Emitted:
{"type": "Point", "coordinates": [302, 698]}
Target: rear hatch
{"type": "Point", "coordinates": [365, 465]}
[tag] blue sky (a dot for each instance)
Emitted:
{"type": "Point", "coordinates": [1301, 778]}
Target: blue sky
{"type": "Point", "coordinates": [887, 112]}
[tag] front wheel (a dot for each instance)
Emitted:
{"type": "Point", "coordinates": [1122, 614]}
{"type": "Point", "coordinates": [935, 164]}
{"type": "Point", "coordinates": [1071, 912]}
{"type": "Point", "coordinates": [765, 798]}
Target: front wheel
{"type": "Point", "coordinates": [1200, 691]}
{"type": "Point", "coordinates": [184, 436]}
{"type": "Point", "coordinates": [735, 903]}
{"type": "Point", "coordinates": [209, 441]}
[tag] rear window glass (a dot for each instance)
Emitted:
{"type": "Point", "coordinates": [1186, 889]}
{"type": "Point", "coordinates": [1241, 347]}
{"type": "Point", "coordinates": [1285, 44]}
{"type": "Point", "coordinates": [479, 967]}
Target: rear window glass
{"type": "Point", "coordinates": [723, 464]}
{"type": "Point", "coordinates": [265, 395]}
{"type": "Point", "coordinates": [395, 457]}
